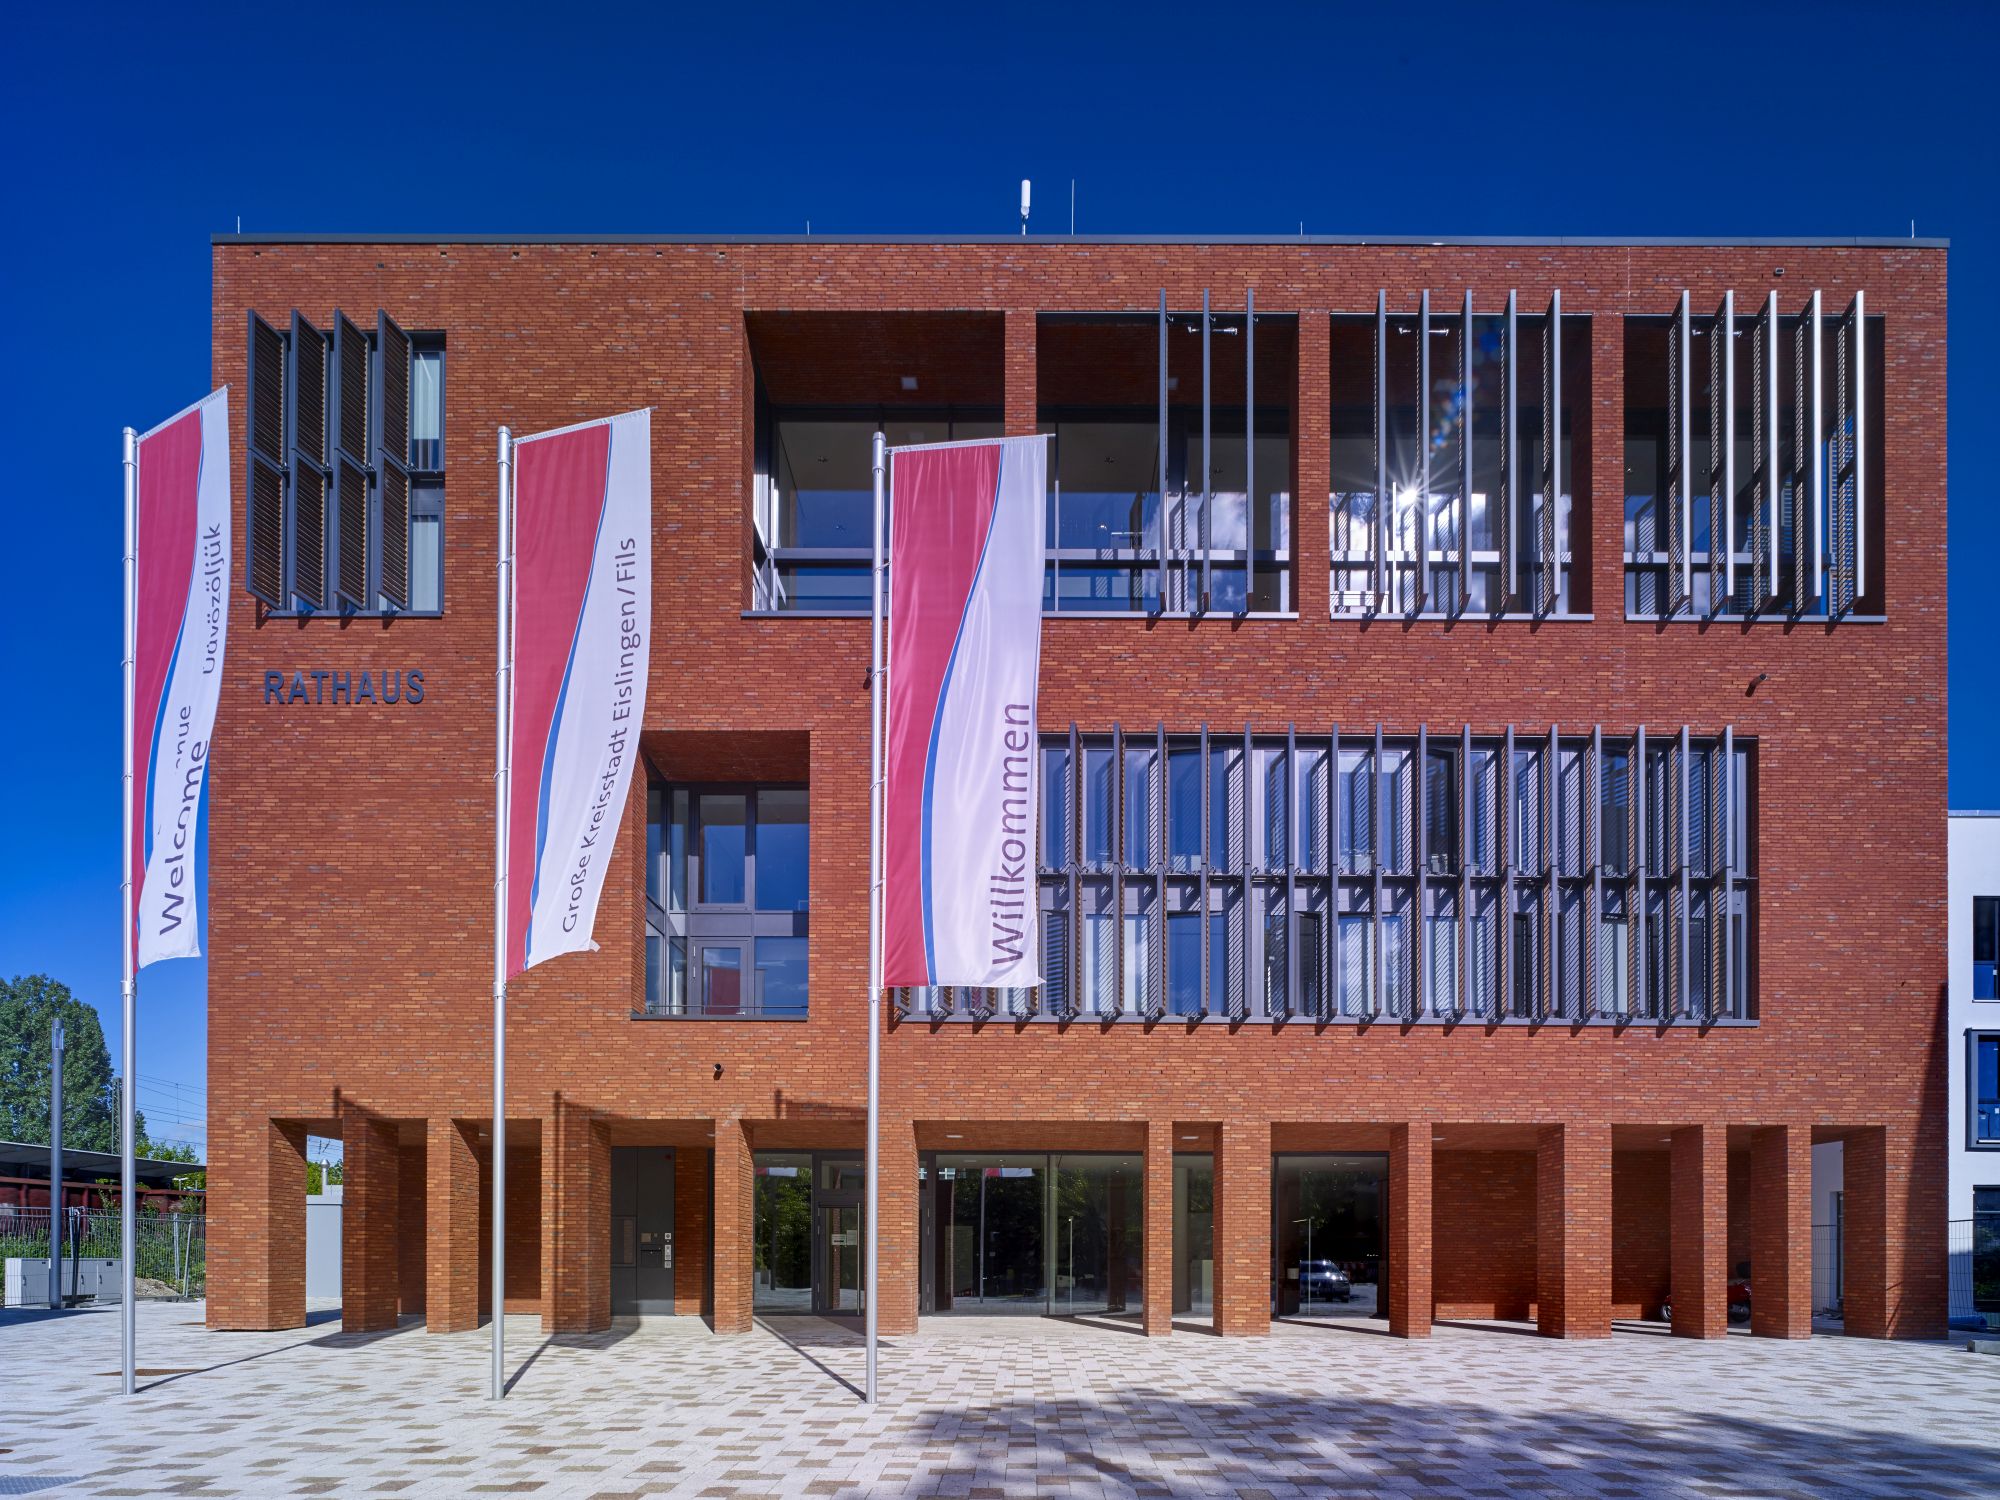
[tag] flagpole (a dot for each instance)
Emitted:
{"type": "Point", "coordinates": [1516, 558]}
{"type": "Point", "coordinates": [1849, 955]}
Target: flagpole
{"type": "Point", "coordinates": [128, 1090]}
{"type": "Point", "coordinates": [874, 915]}
{"type": "Point", "coordinates": [502, 716]}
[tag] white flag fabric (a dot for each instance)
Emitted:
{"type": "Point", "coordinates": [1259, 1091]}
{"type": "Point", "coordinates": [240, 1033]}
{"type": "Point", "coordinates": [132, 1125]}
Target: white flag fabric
{"type": "Point", "coordinates": [181, 623]}
{"type": "Point", "coordinates": [583, 614]}
{"type": "Point", "coordinates": [965, 656]}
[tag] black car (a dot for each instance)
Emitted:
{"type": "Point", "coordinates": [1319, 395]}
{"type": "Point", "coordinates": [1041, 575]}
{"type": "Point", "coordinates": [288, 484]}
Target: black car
{"type": "Point", "coordinates": [1323, 1281]}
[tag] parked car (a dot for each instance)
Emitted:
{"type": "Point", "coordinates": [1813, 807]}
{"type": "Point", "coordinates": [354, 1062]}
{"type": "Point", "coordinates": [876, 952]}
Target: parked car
{"type": "Point", "coordinates": [1323, 1281]}
{"type": "Point", "coordinates": [1739, 1302]}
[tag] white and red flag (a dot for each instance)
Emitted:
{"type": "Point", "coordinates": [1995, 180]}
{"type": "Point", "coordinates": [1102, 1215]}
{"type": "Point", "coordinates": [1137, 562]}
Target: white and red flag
{"type": "Point", "coordinates": [963, 765]}
{"type": "Point", "coordinates": [583, 612]}
{"type": "Point", "coordinates": [180, 624]}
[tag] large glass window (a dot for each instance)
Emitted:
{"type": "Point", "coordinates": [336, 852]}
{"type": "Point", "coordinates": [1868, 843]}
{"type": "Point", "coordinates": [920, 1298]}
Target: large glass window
{"type": "Point", "coordinates": [1986, 1249]}
{"type": "Point", "coordinates": [1396, 876]}
{"type": "Point", "coordinates": [1439, 504]}
{"type": "Point", "coordinates": [1328, 1235]}
{"type": "Point", "coordinates": [1034, 1233]}
{"type": "Point", "coordinates": [1171, 473]}
{"type": "Point", "coordinates": [1753, 442]}
{"type": "Point", "coordinates": [1985, 947]}
{"type": "Point", "coordinates": [727, 879]}
{"type": "Point", "coordinates": [346, 467]}
{"type": "Point", "coordinates": [1983, 1079]}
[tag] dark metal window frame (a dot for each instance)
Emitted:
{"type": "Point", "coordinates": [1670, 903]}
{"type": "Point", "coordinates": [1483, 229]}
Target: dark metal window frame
{"type": "Point", "coordinates": [703, 923]}
{"type": "Point", "coordinates": [1975, 1039]}
{"type": "Point", "coordinates": [1832, 454]}
{"type": "Point", "coordinates": [1182, 562]}
{"type": "Point", "coordinates": [1517, 549]}
{"type": "Point", "coordinates": [1529, 843]}
{"type": "Point", "coordinates": [297, 603]}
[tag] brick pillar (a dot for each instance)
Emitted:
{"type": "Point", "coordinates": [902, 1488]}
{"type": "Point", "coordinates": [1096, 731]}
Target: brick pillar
{"type": "Point", "coordinates": [694, 1180]}
{"type": "Point", "coordinates": [897, 1271]}
{"type": "Point", "coordinates": [1021, 410]}
{"type": "Point", "coordinates": [576, 1221]}
{"type": "Point", "coordinates": [370, 1190]}
{"type": "Point", "coordinates": [1410, 1231]}
{"type": "Point", "coordinates": [411, 1246]}
{"type": "Point", "coordinates": [1243, 1227]}
{"type": "Point", "coordinates": [1312, 459]}
{"type": "Point", "coordinates": [257, 1225]}
{"type": "Point", "coordinates": [1894, 1255]}
{"type": "Point", "coordinates": [1699, 1241]}
{"type": "Point", "coordinates": [1157, 1239]}
{"type": "Point", "coordinates": [451, 1228]}
{"type": "Point", "coordinates": [1573, 1231]}
{"type": "Point", "coordinates": [735, 1219]}
{"type": "Point", "coordinates": [1781, 1232]}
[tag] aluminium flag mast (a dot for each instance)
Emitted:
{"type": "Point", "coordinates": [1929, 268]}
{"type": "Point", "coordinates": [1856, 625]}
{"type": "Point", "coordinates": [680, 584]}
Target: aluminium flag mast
{"type": "Point", "coordinates": [574, 609]}
{"type": "Point", "coordinates": [177, 543]}
{"type": "Point", "coordinates": [503, 723]}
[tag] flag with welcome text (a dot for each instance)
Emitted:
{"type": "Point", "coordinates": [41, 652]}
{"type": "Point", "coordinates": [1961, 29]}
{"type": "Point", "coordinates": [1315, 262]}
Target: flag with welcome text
{"type": "Point", "coordinates": [180, 619]}
{"type": "Point", "coordinates": [965, 656]}
{"type": "Point", "coordinates": [583, 612]}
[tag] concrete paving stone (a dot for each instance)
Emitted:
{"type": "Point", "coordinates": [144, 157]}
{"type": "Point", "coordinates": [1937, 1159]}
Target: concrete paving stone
{"type": "Point", "coordinates": [988, 1409]}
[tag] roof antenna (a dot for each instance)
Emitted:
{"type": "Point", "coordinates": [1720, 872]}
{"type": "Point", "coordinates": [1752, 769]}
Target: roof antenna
{"type": "Point", "coordinates": [239, 225]}
{"type": "Point", "coordinates": [1024, 205]}
{"type": "Point", "coordinates": [1072, 208]}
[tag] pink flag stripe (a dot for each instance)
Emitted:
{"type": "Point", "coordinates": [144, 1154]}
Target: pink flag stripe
{"type": "Point", "coordinates": [170, 459]}
{"type": "Point", "coordinates": [559, 496]}
{"type": "Point", "coordinates": [942, 515]}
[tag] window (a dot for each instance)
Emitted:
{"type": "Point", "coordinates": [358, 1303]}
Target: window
{"type": "Point", "coordinates": [1986, 1249]}
{"type": "Point", "coordinates": [1171, 466]}
{"type": "Point", "coordinates": [726, 900]}
{"type": "Point", "coordinates": [1319, 878]}
{"type": "Point", "coordinates": [346, 468]}
{"type": "Point", "coordinates": [1985, 947]}
{"type": "Point", "coordinates": [1982, 1078]}
{"type": "Point", "coordinates": [1460, 461]}
{"type": "Point", "coordinates": [1753, 476]}
{"type": "Point", "coordinates": [817, 474]}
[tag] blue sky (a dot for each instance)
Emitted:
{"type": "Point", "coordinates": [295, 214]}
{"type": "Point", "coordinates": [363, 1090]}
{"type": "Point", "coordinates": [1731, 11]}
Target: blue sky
{"type": "Point", "coordinates": [134, 133]}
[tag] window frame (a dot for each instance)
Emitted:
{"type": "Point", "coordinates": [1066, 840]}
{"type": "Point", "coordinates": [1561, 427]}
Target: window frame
{"type": "Point", "coordinates": [327, 463]}
{"type": "Point", "coordinates": [699, 924]}
{"type": "Point", "coordinates": [1976, 1039]}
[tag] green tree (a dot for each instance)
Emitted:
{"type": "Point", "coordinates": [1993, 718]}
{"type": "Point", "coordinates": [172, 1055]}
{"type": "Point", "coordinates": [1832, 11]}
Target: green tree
{"type": "Point", "coordinates": [90, 1089]}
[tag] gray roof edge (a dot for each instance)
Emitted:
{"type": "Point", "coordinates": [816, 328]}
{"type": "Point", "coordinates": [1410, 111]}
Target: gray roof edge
{"type": "Point", "coordinates": [1863, 241]}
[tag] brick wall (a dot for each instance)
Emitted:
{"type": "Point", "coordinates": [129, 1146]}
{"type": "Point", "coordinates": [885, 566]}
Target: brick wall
{"type": "Point", "coordinates": [350, 935]}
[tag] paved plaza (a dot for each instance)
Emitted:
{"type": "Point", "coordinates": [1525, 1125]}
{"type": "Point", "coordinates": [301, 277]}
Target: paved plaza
{"type": "Point", "coordinates": [983, 1407]}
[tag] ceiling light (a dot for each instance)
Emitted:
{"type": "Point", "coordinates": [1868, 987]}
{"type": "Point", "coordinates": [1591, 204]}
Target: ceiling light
{"type": "Point", "coordinates": [909, 382]}
{"type": "Point", "coordinates": [951, 1137]}
{"type": "Point", "coordinates": [1190, 1137]}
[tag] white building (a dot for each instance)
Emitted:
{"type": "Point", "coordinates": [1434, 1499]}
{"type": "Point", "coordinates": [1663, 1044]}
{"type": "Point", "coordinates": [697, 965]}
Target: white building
{"type": "Point", "coordinates": [1972, 1041]}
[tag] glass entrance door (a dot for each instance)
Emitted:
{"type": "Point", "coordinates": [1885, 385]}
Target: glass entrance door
{"type": "Point", "coordinates": [837, 1288]}
{"type": "Point", "coordinates": [838, 1227]}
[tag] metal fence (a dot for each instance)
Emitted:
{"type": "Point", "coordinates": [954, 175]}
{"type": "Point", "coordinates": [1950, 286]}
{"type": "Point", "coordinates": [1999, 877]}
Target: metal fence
{"type": "Point", "coordinates": [1973, 1254]}
{"type": "Point", "coordinates": [1826, 1270]}
{"type": "Point", "coordinates": [169, 1248]}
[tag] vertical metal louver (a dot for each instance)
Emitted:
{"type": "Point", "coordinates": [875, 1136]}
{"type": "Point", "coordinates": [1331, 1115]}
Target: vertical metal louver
{"type": "Point", "coordinates": [1384, 502]}
{"type": "Point", "coordinates": [1502, 507]}
{"type": "Point", "coordinates": [389, 458]}
{"type": "Point", "coordinates": [264, 566]}
{"type": "Point", "coordinates": [1763, 589]}
{"type": "Point", "coordinates": [1421, 539]}
{"type": "Point", "coordinates": [310, 483]}
{"type": "Point", "coordinates": [1549, 538]}
{"type": "Point", "coordinates": [1462, 531]}
{"type": "Point", "coordinates": [1847, 471]}
{"type": "Point", "coordinates": [350, 507]}
{"type": "Point", "coordinates": [1722, 875]}
{"type": "Point", "coordinates": [1807, 478]}
{"type": "Point", "coordinates": [1722, 456]}
{"type": "Point", "coordinates": [349, 452]}
{"type": "Point", "coordinates": [1679, 506]}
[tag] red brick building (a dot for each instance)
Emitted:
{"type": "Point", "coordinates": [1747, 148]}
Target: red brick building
{"type": "Point", "coordinates": [1467, 888]}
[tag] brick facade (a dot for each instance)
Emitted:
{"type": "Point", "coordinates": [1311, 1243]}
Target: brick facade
{"type": "Point", "coordinates": [350, 933]}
